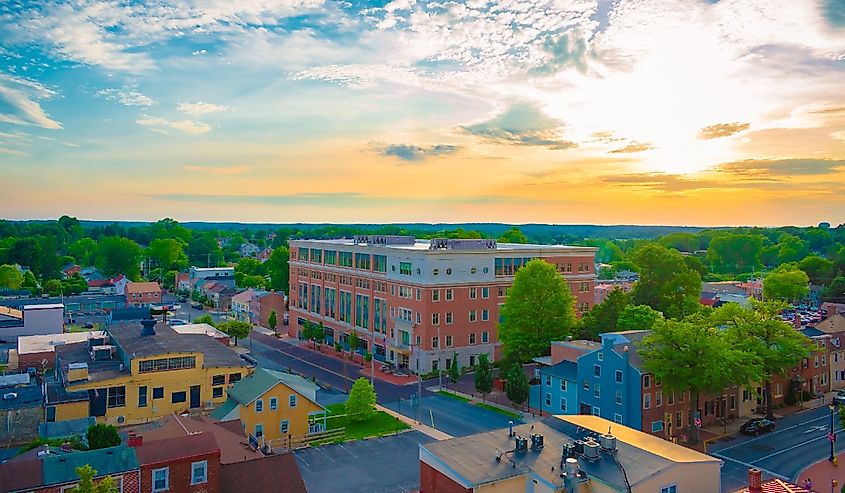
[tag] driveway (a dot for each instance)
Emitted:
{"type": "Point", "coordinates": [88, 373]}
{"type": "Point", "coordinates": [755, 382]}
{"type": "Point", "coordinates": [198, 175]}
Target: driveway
{"type": "Point", "coordinates": [452, 416]}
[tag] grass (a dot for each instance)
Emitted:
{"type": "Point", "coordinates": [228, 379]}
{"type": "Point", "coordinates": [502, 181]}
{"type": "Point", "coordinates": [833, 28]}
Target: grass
{"type": "Point", "coordinates": [498, 410]}
{"type": "Point", "coordinates": [453, 396]}
{"type": "Point", "coordinates": [379, 424]}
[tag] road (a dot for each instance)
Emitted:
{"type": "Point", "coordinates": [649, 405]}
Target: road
{"type": "Point", "coordinates": [799, 441]}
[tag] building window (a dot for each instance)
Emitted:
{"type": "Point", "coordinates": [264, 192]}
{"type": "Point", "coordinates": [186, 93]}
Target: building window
{"type": "Point", "coordinates": [405, 268]}
{"type": "Point", "coordinates": [449, 318]}
{"type": "Point", "coordinates": [647, 401]}
{"type": "Point", "coordinates": [646, 381]}
{"type": "Point", "coordinates": [485, 293]}
{"type": "Point", "coordinates": [448, 341]}
{"type": "Point", "coordinates": [472, 338]}
{"type": "Point", "coordinates": [292, 400]}
{"type": "Point", "coordinates": [656, 426]}
{"type": "Point", "coordinates": [658, 398]}
{"type": "Point", "coordinates": [548, 380]}
{"type": "Point", "coordinates": [158, 392]}
{"type": "Point", "coordinates": [596, 411]}
{"type": "Point", "coordinates": [619, 397]}
{"type": "Point", "coordinates": [597, 391]}
{"type": "Point", "coordinates": [166, 364]}
{"type": "Point", "coordinates": [548, 399]}
{"type": "Point", "coordinates": [234, 377]}
{"type": "Point", "coordinates": [485, 315]}
{"type": "Point", "coordinates": [435, 342]}
{"type": "Point", "coordinates": [670, 398]}
{"type": "Point", "coordinates": [199, 472]}
{"type": "Point", "coordinates": [216, 392]}
{"type": "Point", "coordinates": [563, 404]}
{"type": "Point", "coordinates": [596, 370]}
{"type": "Point", "coordinates": [142, 396]}
{"type": "Point", "coordinates": [473, 315]}
{"type": "Point", "coordinates": [563, 385]}
{"type": "Point", "coordinates": [485, 337]}
{"type": "Point", "coordinates": [600, 356]}
{"type": "Point", "coordinates": [435, 295]}
{"type": "Point", "coordinates": [161, 479]}
{"type": "Point", "coordinates": [259, 430]}
{"type": "Point", "coordinates": [177, 397]}
{"type": "Point", "coordinates": [116, 396]}
{"type": "Point", "coordinates": [274, 403]}
{"type": "Point", "coordinates": [284, 427]}
{"type": "Point", "coordinates": [218, 380]}
{"type": "Point", "coordinates": [259, 405]}
{"type": "Point", "coordinates": [669, 489]}
{"type": "Point", "coordinates": [618, 376]}
{"type": "Point", "coordinates": [450, 294]}
{"type": "Point", "coordinates": [473, 293]}
{"type": "Point", "coordinates": [617, 418]}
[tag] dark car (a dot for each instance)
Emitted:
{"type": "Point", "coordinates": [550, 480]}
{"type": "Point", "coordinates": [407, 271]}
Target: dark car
{"type": "Point", "coordinates": [756, 426]}
{"type": "Point", "coordinates": [839, 398]}
{"type": "Point", "coordinates": [196, 306]}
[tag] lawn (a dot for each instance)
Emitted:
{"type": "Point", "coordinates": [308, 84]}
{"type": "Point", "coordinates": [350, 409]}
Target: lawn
{"type": "Point", "coordinates": [453, 396]}
{"type": "Point", "coordinates": [498, 410]}
{"type": "Point", "coordinates": [380, 424]}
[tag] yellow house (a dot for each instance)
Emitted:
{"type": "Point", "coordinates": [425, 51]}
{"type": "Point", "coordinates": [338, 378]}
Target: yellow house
{"type": "Point", "coordinates": [274, 407]}
{"type": "Point", "coordinates": [138, 373]}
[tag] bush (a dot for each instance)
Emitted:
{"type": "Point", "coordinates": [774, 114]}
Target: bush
{"type": "Point", "coordinates": [368, 357]}
{"type": "Point", "coordinates": [102, 436]}
{"type": "Point", "coordinates": [338, 347]}
{"type": "Point", "coordinates": [361, 404]}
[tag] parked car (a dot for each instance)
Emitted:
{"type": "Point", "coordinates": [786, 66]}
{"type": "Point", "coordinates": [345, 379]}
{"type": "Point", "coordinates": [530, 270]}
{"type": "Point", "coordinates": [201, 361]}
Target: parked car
{"type": "Point", "coordinates": [196, 306]}
{"type": "Point", "coordinates": [173, 322]}
{"type": "Point", "coordinates": [839, 398]}
{"type": "Point", "coordinates": [756, 426]}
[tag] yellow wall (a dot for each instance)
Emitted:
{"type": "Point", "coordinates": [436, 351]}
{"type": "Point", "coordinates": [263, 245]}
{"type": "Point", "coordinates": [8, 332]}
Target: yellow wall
{"type": "Point", "coordinates": [71, 410]}
{"type": "Point", "coordinates": [271, 420]}
{"type": "Point", "coordinates": [690, 478]}
{"type": "Point", "coordinates": [512, 485]}
{"type": "Point", "coordinates": [171, 380]}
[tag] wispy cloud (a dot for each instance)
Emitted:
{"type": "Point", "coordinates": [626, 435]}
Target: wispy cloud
{"type": "Point", "coordinates": [126, 96]}
{"type": "Point", "coordinates": [632, 147]}
{"type": "Point", "coordinates": [19, 102]}
{"type": "Point", "coordinates": [783, 167]}
{"type": "Point", "coordinates": [414, 153]}
{"type": "Point", "coordinates": [12, 152]}
{"type": "Point", "coordinates": [522, 124]}
{"type": "Point", "coordinates": [218, 170]}
{"type": "Point", "coordinates": [187, 126]}
{"type": "Point", "coordinates": [722, 130]}
{"type": "Point", "coordinates": [200, 108]}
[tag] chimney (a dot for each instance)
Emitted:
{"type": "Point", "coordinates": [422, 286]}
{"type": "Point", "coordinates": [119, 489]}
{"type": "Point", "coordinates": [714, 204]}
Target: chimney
{"type": "Point", "coordinates": [148, 327]}
{"type": "Point", "coordinates": [755, 480]}
{"type": "Point", "coordinates": [135, 440]}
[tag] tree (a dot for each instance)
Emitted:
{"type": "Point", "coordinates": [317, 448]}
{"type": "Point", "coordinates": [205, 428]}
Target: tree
{"type": "Point", "coordinates": [86, 484]}
{"type": "Point", "coordinates": [353, 342]}
{"type": "Point", "coordinates": [483, 375]}
{"type": "Point", "coordinates": [693, 356]}
{"type": "Point", "coordinates": [819, 269]}
{"type": "Point", "coordinates": [166, 252]}
{"type": "Point", "coordinates": [683, 242]}
{"type": "Point", "coordinates": [637, 317]}
{"type": "Point", "coordinates": [735, 252]}
{"type": "Point", "coordinates": [603, 317]}
{"type": "Point", "coordinates": [361, 404]}
{"type": "Point", "coordinates": [205, 319]}
{"type": "Point", "coordinates": [455, 369]}
{"type": "Point", "coordinates": [538, 310]}
{"type": "Point", "coordinates": [277, 268]}
{"type": "Point", "coordinates": [102, 436]}
{"type": "Point", "coordinates": [204, 250]}
{"type": "Point", "coordinates": [84, 250]}
{"type": "Point", "coordinates": [235, 329]}
{"type": "Point", "coordinates": [786, 283]}
{"type": "Point", "coordinates": [666, 283]}
{"type": "Point", "coordinates": [29, 282]}
{"type": "Point", "coordinates": [10, 277]}
{"type": "Point", "coordinates": [116, 255]}
{"type": "Point", "coordinates": [761, 333]}
{"type": "Point", "coordinates": [249, 273]}
{"type": "Point", "coordinates": [836, 290]}
{"type": "Point", "coordinates": [791, 248]}
{"type": "Point", "coordinates": [74, 285]}
{"type": "Point", "coordinates": [516, 385]}
{"type": "Point", "coordinates": [513, 235]}
{"type": "Point", "coordinates": [272, 321]}
{"type": "Point", "coordinates": [53, 287]}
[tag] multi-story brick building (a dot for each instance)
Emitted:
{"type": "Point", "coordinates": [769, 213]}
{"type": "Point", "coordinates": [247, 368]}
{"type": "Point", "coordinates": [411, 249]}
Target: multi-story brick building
{"type": "Point", "coordinates": [142, 294]}
{"type": "Point", "coordinates": [418, 304]}
{"type": "Point", "coordinates": [189, 464]}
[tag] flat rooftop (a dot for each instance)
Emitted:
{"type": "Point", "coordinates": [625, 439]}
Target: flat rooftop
{"type": "Point", "coordinates": [205, 329]}
{"type": "Point", "coordinates": [48, 342]}
{"type": "Point", "coordinates": [424, 245]}
{"type": "Point", "coordinates": [167, 340]}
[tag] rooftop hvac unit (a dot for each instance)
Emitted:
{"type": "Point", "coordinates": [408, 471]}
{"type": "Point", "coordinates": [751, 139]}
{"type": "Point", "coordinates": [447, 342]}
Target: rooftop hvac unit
{"type": "Point", "coordinates": [608, 441]}
{"type": "Point", "coordinates": [568, 451]}
{"type": "Point", "coordinates": [536, 441]}
{"type": "Point", "coordinates": [579, 447]}
{"type": "Point", "coordinates": [521, 444]}
{"type": "Point", "coordinates": [591, 449]}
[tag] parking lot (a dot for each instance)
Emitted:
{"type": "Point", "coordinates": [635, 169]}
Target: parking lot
{"type": "Point", "coordinates": [379, 465]}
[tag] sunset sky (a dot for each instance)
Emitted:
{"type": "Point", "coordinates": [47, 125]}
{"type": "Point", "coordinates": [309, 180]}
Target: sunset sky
{"type": "Point", "coordinates": [569, 111]}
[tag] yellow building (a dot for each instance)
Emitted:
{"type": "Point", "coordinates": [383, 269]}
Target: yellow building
{"type": "Point", "coordinates": [273, 407]}
{"type": "Point", "coordinates": [136, 373]}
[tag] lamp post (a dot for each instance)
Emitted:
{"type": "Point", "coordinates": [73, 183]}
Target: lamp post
{"type": "Point", "coordinates": [833, 406]}
{"type": "Point", "coordinates": [439, 368]}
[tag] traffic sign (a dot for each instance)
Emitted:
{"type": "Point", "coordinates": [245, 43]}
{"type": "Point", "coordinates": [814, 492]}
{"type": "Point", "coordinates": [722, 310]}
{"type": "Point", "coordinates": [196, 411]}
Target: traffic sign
{"type": "Point", "coordinates": [698, 422]}
{"type": "Point", "coordinates": [831, 436]}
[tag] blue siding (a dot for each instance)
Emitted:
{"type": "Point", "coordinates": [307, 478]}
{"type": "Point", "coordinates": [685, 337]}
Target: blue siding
{"type": "Point", "coordinates": [605, 404]}
{"type": "Point", "coordinates": [552, 396]}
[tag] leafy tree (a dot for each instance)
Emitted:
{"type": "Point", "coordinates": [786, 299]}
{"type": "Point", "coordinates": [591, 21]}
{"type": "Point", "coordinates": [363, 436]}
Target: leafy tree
{"type": "Point", "coordinates": [516, 386]}
{"type": "Point", "coordinates": [683, 242]}
{"type": "Point", "coordinates": [455, 369]}
{"type": "Point", "coordinates": [29, 282]}
{"type": "Point", "coordinates": [637, 317]}
{"type": "Point", "coordinates": [603, 317]}
{"type": "Point", "coordinates": [819, 269]}
{"type": "Point", "coordinates": [818, 239]}
{"type": "Point", "coordinates": [74, 285]}
{"type": "Point", "coordinates": [10, 277]}
{"type": "Point", "coordinates": [236, 329]}
{"type": "Point", "coordinates": [272, 321]}
{"type": "Point", "coordinates": [735, 252]}
{"type": "Point", "coordinates": [353, 342]}
{"type": "Point", "coordinates": [86, 475]}
{"type": "Point", "coordinates": [25, 252]}
{"type": "Point", "coordinates": [249, 273]}
{"type": "Point", "coordinates": [102, 436]}
{"type": "Point", "coordinates": [691, 355]}
{"type": "Point", "coordinates": [760, 332]}
{"type": "Point", "coordinates": [168, 228]}
{"type": "Point", "coordinates": [787, 283]}
{"type": "Point", "coordinates": [116, 255]}
{"type": "Point", "coordinates": [666, 283]}
{"type": "Point", "coordinates": [513, 235]}
{"type": "Point", "coordinates": [53, 287]}
{"type": "Point", "coordinates": [361, 404]}
{"type": "Point", "coordinates": [277, 268]}
{"type": "Point", "coordinates": [791, 248]}
{"type": "Point", "coordinates": [84, 250]}
{"type": "Point", "coordinates": [483, 375]}
{"type": "Point", "coordinates": [205, 319]}
{"type": "Point", "coordinates": [836, 290]}
{"type": "Point", "coordinates": [203, 249]}
{"type": "Point", "coordinates": [167, 252]}
{"type": "Point", "coordinates": [538, 310]}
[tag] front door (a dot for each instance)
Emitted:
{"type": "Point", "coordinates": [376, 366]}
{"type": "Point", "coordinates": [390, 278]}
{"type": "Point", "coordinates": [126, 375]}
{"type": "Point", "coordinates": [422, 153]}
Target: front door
{"type": "Point", "coordinates": [585, 409]}
{"type": "Point", "coordinates": [195, 396]}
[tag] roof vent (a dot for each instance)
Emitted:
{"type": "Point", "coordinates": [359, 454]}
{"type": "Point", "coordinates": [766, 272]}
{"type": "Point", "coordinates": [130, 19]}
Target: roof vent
{"type": "Point", "coordinates": [148, 327]}
{"type": "Point", "coordinates": [521, 444]}
{"type": "Point", "coordinates": [608, 441]}
{"type": "Point", "coordinates": [571, 470]}
{"type": "Point", "coordinates": [591, 449]}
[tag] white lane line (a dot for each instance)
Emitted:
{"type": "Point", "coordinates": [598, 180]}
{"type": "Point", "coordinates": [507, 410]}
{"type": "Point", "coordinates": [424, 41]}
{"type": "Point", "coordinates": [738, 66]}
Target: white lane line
{"type": "Point", "coordinates": [299, 456]}
{"type": "Point", "coordinates": [773, 433]}
{"type": "Point", "coordinates": [787, 449]}
{"type": "Point", "coordinates": [347, 450]}
{"type": "Point", "coordinates": [310, 363]}
{"type": "Point", "coordinates": [327, 455]}
{"type": "Point", "coordinates": [751, 466]}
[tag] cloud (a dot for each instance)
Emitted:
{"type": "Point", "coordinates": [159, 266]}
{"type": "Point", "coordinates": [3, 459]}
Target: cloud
{"type": "Point", "coordinates": [12, 152]}
{"type": "Point", "coordinates": [126, 96]}
{"type": "Point", "coordinates": [18, 102]}
{"type": "Point", "coordinates": [522, 124]}
{"type": "Point", "coordinates": [567, 50]}
{"type": "Point", "coordinates": [632, 146]}
{"type": "Point", "coordinates": [200, 108]}
{"type": "Point", "coordinates": [160, 124]}
{"type": "Point", "coordinates": [722, 130]}
{"type": "Point", "coordinates": [839, 135]}
{"type": "Point", "coordinates": [783, 167]}
{"type": "Point", "coordinates": [223, 170]}
{"type": "Point", "coordinates": [413, 153]}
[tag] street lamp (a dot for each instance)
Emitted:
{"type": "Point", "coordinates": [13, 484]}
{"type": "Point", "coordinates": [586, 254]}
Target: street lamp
{"type": "Point", "coordinates": [833, 406]}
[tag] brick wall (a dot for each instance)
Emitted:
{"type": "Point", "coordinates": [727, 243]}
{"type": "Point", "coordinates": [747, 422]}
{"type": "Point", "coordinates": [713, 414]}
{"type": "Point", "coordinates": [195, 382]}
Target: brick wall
{"type": "Point", "coordinates": [268, 303]}
{"type": "Point", "coordinates": [131, 480]}
{"type": "Point", "coordinates": [180, 475]}
{"type": "Point", "coordinates": [433, 481]}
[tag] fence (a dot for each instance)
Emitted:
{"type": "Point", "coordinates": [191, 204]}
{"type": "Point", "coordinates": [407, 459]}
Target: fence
{"type": "Point", "coordinates": [296, 442]}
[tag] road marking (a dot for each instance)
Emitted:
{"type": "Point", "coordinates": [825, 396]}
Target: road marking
{"type": "Point", "coordinates": [773, 433]}
{"type": "Point", "coordinates": [327, 455]}
{"type": "Point", "coordinates": [751, 466]}
{"type": "Point", "coordinates": [823, 437]}
{"type": "Point", "coordinates": [816, 429]}
{"type": "Point", "coordinates": [299, 456]}
{"type": "Point", "coordinates": [347, 450]}
{"type": "Point", "coordinates": [311, 363]}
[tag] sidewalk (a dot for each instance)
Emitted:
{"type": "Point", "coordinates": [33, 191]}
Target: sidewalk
{"type": "Point", "coordinates": [428, 430]}
{"type": "Point", "coordinates": [822, 472]}
{"type": "Point", "coordinates": [389, 377]}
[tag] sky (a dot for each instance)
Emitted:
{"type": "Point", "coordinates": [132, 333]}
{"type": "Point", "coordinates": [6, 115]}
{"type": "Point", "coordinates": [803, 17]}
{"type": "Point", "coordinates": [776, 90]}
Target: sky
{"type": "Point", "coordinates": [678, 112]}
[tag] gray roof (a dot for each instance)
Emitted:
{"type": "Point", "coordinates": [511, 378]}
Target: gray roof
{"type": "Point", "coordinates": [68, 428]}
{"type": "Point", "coordinates": [630, 339]}
{"type": "Point", "coordinates": [14, 379]}
{"type": "Point", "coordinates": [25, 397]}
{"type": "Point", "coordinates": [97, 369]}
{"type": "Point", "coordinates": [567, 370]}
{"type": "Point", "coordinates": [474, 457]}
{"type": "Point", "coordinates": [56, 393]}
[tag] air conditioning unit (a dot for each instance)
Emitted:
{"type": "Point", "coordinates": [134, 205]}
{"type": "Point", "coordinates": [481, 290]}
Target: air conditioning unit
{"type": "Point", "coordinates": [121, 419]}
{"type": "Point", "coordinates": [209, 404]}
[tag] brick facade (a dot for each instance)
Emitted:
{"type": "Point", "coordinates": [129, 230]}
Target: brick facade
{"type": "Point", "coordinates": [433, 481]}
{"type": "Point", "coordinates": [266, 304]}
{"type": "Point", "coordinates": [180, 474]}
{"type": "Point", "coordinates": [131, 484]}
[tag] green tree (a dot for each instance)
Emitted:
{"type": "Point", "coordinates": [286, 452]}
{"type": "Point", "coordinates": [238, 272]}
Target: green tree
{"type": "Point", "coordinates": [354, 342]}
{"type": "Point", "coordinates": [29, 282]}
{"type": "Point", "coordinates": [836, 291]}
{"type": "Point", "coordinates": [516, 385]}
{"type": "Point", "coordinates": [361, 404]}
{"type": "Point", "coordinates": [272, 321]}
{"type": "Point", "coordinates": [203, 250]}
{"type": "Point", "coordinates": [116, 255]}
{"type": "Point", "coordinates": [787, 283]}
{"type": "Point", "coordinates": [205, 319]}
{"type": "Point", "coordinates": [791, 248]}
{"type": "Point", "coordinates": [683, 242]}
{"type": "Point", "coordinates": [603, 317]}
{"type": "Point", "coordinates": [167, 252]}
{"type": "Point", "coordinates": [637, 317]}
{"type": "Point", "coordinates": [53, 287]}
{"type": "Point", "coordinates": [666, 283]}
{"type": "Point", "coordinates": [483, 375]}
{"type": "Point", "coordinates": [735, 252]}
{"type": "Point", "coordinates": [10, 277]}
{"type": "Point", "coordinates": [277, 268]}
{"type": "Point", "coordinates": [819, 269]}
{"type": "Point", "coordinates": [236, 329]}
{"type": "Point", "coordinates": [74, 285]}
{"type": "Point", "coordinates": [538, 310]}
{"type": "Point", "coordinates": [455, 369]}
{"type": "Point", "coordinates": [84, 250]}
{"type": "Point", "coordinates": [249, 273]}
{"type": "Point", "coordinates": [761, 333]}
{"type": "Point", "coordinates": [102, 436]}
{"type": "Point", "coordinates": [513, 235]}
{"type": "Point", "coordinates": [693, 356]}
{"type": "Point", "coordinates": [86, 475]}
